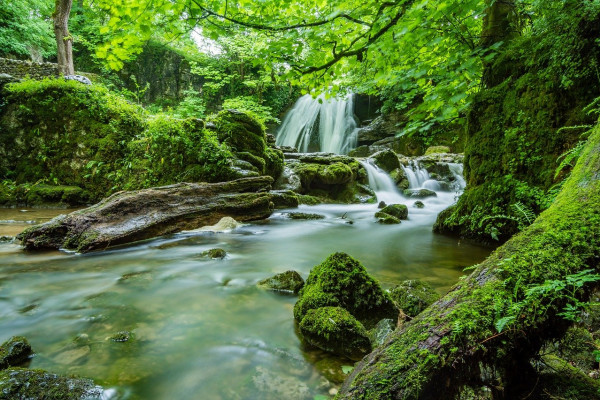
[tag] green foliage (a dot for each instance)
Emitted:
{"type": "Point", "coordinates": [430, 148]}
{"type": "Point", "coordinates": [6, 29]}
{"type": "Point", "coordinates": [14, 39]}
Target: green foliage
{"type": "Point", "coordinates": [26, 29]}
{"type": "Point", "coordinates": [192, 105]}
{"type": "Point", "coordinates": [248, 104]}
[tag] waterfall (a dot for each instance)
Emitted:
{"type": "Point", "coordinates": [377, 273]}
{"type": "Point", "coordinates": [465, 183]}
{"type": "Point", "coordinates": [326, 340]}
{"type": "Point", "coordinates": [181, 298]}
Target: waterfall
{"type": "Point", "coordinates": [384, 187]}
{"type": "Point", "coordinates": [320, 124]}
{"type": "Point", "coordinates": [418, 177]}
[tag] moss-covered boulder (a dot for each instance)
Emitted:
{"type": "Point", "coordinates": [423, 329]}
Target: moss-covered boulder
{"type": "Point", "coordinates": [387, 160]}
{"type": "Point", "coordinates": [342, 281]}
{"type": "Point", "coordinates": [335, 330]}
{"type": "Point", "coordinates": [304, 216]}
{"type": "Point", "coordinates": [387, 219]}
{"type": "Point", "coordinates": [399, 211]}
{"type": "Point", "coordinates": [245, 136]}
{"type": "Point", "coordinates": [419, 193]}
{"type": "Point", "coordinates": [21, 384]}
{"type": "Point", "coordinates": [437, 150]}
{"type": "Point", "coordinates": [14, 352]}
{"type": "Point", "coordinates": [287, 282]}
{"type": "Point", "coordinates": [399, 176]}
{"type": "Point", "coordinates": [214, 254]}
{"type": "Point", "coordinates": [413, 296]}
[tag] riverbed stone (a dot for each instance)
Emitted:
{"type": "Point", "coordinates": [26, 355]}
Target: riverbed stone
{"type": "Point", "coordinates": [387, 219]}
{"type": "Point", "coordinates": [335, 330]}
{"type": "Point", "coordinates": [413, 296]}
{"type": "Point", "coordinates": [34, 384]}
{"type": "Point", "coordinates": [287, 282]}
{"type": "Point", "coordinates": [14, 352]}
{"type": "Point", "coordinates": [214, 254]}
{"type": "Point", "coordinates": [418, 204]}
{"type": "Point", "coordinates": [419, 193]}
{"type": "Point", "coordinates": [399, 211]}
{"type": "Point", "coordinates": [387, 160]}
{"type": "Point", "coordinates": [301, 215]}
{"type": "Point", "coordinates": [342, 281]}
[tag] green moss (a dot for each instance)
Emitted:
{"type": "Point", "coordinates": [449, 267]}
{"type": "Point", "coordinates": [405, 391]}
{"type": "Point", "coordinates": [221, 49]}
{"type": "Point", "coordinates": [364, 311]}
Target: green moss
{"type": "Point", "coordinates": [300, 215]}
{"type": "Point", "coordinates": [214, 254]}
{"type": "Point", "coordinates": [399, 211]}
{"type": "Point", "coordinates": [17, 383]}
{"type": "Point", "coordinates": [386, 219]}
{"type": "Point", "coordinates": [413, 296]}
{"type": "Point", "coordinates": [288, 281]}
{"type": "Point", "coordinates": [335, 330]}
{"type": "Point", "coordinates": [437, 150]}
{"type": "Point", "coordinates": [341, 281]}
{"type": "Point", "coordinates": [241, 132]}
{"type": "Point", "coordinates": [308, 200]}
{"type": "Point", "coordinates": [14, 352]}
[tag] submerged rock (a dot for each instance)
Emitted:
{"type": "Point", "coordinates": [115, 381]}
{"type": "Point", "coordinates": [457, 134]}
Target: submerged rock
{"type": "Point", "coordinates": [275, 386]}
{"type": "Point", "coordinates": [419, 193]}
{"type": "Point", "coordinates": [214, 254]}
{"type": "Point", "coordinates": [131, 216]}
{"type": "Point", "coordinates": [224, 224]}
{"type": "Point", "coordinates": [6, 239]}
{"type": "Point", "coordinates": [14, 352]}
{"type": "Point", "coordinates": [288, 281]}
{"type": "Point", "coordinates": [300, 215]}
{"type": "Point", "coordinates": [413, 296]}
{"type": "Point", "coordinates": [19, 383]}
{"type": "Point", "coordinates": [335, 330]}
{"type": "Point", "coordinates": [123, 336]}
{"type": "Point", "coordinates": [342, 281]}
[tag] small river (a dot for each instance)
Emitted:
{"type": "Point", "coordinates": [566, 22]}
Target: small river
{"type": "Point", "coordinates": [200, 328]}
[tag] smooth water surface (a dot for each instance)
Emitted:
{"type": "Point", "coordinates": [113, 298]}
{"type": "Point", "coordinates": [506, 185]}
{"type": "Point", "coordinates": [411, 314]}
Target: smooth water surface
{"type": "Point", "coordinates": [200, 328]}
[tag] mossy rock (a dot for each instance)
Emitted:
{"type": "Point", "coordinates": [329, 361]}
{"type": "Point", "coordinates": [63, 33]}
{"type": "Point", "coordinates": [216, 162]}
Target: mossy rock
{"type": "Point", "coordinates": [14, 352]}
{"type": "Point", "coordinates": [308, 200]}
{"type": "Point", "coordinates": [241, 132]}
{"type": "Point", "coordinates": [419, 193]}
{"type": "Point", "coordinates": [287, 282]}
{"type": "Point", "coordinates": [214, 254]}
{"type": "Point", "coordinates": [18, 383]}
{"type": "Point", "coordinates": [335, 330]}
{"type": "Point", "coordinates": [387, 219]}
{"type": "Point", "coordinates": [418, 204]}
{"type": "Point", "coordinates": [399, 176]}
{"type": "Point", "coordinates": [305, 216]}
{"type": "Point", "coordinates": [387, 160]}
{"type": "Point", "coordinates": [413, 296]}
{"type": "Point", "coordinates": [58, 195]}
{"type": "Point", "coordinates": [342, 281]}
{"type": "Point", "coordinates": [437, 150]}
{"type": "Point", "coordinates": [399, 211]}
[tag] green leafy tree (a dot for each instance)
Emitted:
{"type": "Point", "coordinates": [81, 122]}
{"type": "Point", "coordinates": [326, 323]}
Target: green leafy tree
{"type": "Point", "coordinates": [26, 30]}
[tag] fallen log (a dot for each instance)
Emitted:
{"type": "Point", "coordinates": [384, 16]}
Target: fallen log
{"type": "Point", "coordinates": [130, 216]}
{"type": "Point", "coordinates": [487, 328]}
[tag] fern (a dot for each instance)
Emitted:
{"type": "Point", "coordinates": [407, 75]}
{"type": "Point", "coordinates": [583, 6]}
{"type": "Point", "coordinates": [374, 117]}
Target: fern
{"type": "Point", "coordinates": [525, 215]}
{"type": "Point", "coordinates": [569, 157]}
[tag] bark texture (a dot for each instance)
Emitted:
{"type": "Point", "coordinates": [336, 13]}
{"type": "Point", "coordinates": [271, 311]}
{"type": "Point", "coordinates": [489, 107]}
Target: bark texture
{"type": "Point", "coordinates": [131, 216]}
{"type": "Point", "coordinates": [64, 40]}
{"type": "Point", "coordinates": [496, 319]}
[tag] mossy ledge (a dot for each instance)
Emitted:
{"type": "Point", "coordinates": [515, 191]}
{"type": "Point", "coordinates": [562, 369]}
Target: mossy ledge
{"type": "Point", "coordinates": [475, 326]}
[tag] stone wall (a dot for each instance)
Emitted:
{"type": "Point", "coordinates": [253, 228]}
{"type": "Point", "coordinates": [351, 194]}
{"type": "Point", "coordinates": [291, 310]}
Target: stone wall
{"type": "Point", "coordinates": [22, 69]}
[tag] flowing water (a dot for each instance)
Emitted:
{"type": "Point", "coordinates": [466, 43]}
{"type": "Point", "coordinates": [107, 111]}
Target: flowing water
{"type": "Point", "coordinates": [200, 328]}
{"type": "Point", "coordinates": [320, 124]}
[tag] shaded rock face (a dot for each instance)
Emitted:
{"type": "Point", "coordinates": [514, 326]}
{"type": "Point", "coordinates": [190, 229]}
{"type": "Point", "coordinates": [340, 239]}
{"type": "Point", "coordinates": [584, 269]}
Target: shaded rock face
{"type": "Point", "coordinates": [342, 281]}
{"type": "Point", "coordinates": [131, 216]}
{"type": "Point", "coordinates": [335, 330]}
{"type": "Point", "coordinates": [375, 131]}
{"type": "Point", "coordinates": [387, 160]}
{"type": "Point", "coordinates": [247, 139]}
{"type": "Point", "coordinates": [327, 176]}
{"type": "Point", "coordinates": [413, 296]}
{"type": "Point", "coordinates": [287, 282]}
{"type": "Point", "coordinates": [18, 383]}
{"type": "Point", "coordinates": [14, 352]}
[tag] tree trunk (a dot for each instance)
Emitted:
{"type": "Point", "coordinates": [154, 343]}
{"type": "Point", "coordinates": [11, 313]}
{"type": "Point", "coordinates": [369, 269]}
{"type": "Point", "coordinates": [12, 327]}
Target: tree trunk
{"type": "Point", "coordinates": [493, 321]}
{"type": "Point", "coordinates": [64, 41]}
{"type": "Point", "coordinates": [499, 25]}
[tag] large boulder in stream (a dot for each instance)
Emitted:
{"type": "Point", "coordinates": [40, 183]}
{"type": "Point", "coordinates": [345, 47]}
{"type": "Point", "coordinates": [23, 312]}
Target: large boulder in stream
{"type": "Point", "coordinates": [337, 305]}
{"type": "Point", "coordinates": [326, 176]}
{"type": "Point", "coordinates": [14, 352]}
{"type": "Point", "coordinates": [126, 217]}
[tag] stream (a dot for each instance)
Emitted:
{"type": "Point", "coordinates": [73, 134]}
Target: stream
{"type": "Point", "coordinates": [200, 328]}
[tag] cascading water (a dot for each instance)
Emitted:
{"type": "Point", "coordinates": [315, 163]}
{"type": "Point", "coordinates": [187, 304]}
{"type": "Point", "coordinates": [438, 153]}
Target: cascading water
{"type": "Point", "coordinates": [320, 124]}
{"type": "Point", "coordinates": [384, 187]}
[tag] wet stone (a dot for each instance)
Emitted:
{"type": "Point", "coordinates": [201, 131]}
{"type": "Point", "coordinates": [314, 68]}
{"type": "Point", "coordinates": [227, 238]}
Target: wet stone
{"type": "Point", "coordinates": [306, 216]}
{"type": "Point", "coordinates": [287, 282]}
{"type": "Point", "coordinates": [218, 254]}
{"type": "Point", "coordinates": [14, 352]}
{"type": "Point", "coordinates": [419, 204]}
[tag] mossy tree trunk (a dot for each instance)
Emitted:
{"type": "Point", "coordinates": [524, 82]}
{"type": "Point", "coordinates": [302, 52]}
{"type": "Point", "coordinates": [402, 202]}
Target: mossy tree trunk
{"type": "Point", "coordinates": [64, 40]}
{"type": "Point", "coordinates": [496, 319]}
{"type": "Point", "coordinates": [499, 25]}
